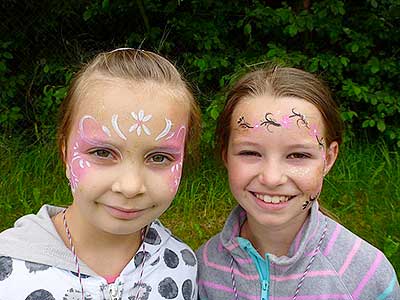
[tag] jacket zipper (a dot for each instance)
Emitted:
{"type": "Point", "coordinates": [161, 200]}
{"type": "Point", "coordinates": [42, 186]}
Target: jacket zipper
{"type": "Point", "coordinates": [262, 266]}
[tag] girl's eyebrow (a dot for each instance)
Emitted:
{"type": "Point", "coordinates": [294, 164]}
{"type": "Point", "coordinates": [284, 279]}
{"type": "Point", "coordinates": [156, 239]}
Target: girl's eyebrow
{"type": "Point", "coordinates": [169, 149]}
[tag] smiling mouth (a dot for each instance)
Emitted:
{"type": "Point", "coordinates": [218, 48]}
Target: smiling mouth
{"type": "Point", "coordinates": [273, 199]}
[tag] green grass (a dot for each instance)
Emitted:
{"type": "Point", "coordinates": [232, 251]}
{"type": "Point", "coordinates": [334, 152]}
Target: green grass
{"type": "Point", "coordinates": [362, 190]}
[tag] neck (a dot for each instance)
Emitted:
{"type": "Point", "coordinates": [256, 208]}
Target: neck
{"type": "Point", "coordinates": [105, 253]}
{"type": "Point", "coordinates": [272, 239]}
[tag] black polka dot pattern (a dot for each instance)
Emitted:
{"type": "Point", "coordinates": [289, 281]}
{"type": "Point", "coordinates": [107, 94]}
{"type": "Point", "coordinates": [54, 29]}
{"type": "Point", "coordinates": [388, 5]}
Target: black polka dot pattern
{"type": "Point", "coordinates": [40, 295]}
{"type": "Point", "coordinates": [6, 267]}
{"type": "Point", "coordinates": [188, 257]}
{"type": "Point", "coordinates": [34, 267]}
{"type": "Point", "coordinates": [171, 259]}
{"type": "Point", "coordinates": [187, 289]}
{"type": "Point", "coordinates": [168, 288]}
{"type": "Point", "coordinates": [139, 257]}
{"type": "Point", "coordinates": [152, 237]}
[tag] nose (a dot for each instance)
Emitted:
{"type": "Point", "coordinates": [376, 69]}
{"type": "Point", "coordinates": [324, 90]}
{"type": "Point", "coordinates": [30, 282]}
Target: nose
{"type": "Point", "coordinates": [272, 174]}
{"type": "Point", "coordinates": [129, 181]}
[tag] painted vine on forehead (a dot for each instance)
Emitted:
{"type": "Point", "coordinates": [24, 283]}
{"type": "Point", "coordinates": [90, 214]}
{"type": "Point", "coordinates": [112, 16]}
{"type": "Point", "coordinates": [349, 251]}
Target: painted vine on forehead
{"type": "Point", "coordinates": [285, 122]}
{"type": "Point", "coordinates": [269, 122]}
{"type": "Point", "coordinates": [243, 123]}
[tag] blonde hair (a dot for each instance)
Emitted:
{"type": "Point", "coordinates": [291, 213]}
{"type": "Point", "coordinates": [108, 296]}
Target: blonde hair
{"type": "Point", "coordinates": [134, 65]}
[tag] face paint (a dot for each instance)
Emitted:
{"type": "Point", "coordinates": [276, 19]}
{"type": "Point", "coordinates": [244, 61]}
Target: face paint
{"type": "Point", "coordinates": [168, 126]}
{"type": "Point", "coordinates": [139, 126]}
{"type": "Point", "coordinates": [114, 122]}
{"type": "Point", "coordinates": [177, 140]}
{"type": "Point", "coordinates": [285, 122]}
{"type": "Point", "coordinates": [89, 131]}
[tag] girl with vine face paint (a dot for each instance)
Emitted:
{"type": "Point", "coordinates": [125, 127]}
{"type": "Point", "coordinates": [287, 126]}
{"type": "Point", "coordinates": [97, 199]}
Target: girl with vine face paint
{"type": "Point", "coordinates": [279, 135]}
{"type": "Point", "coordinates": [125, 126]}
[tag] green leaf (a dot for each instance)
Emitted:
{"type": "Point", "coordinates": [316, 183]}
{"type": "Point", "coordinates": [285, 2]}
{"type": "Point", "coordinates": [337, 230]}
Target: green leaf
{"type": "Point", "coordinates": [3, 67]}
{"type": "Point", "coordinates": [46, 69]}
{"type": "Point", "coordinates": [247, 29]}
{"type": "Point", "coordinates": [106, 4]}
{"type": "Point", "coordinates": [372, 123]}
{"type": "Point", "coordinates": [344, 61]}
{"type": "Point", "coordinates": [374, 3]}
{"type": "Point", "coordinates": [354, 48]}
{"type": "Point", "coordinates": [292, 29]}
{"type": "Point", "coordinates": [7, 55]}
{"type": "Point", "coordinates": [365, 124]}
{"type": "Point", "coordinates": [356, 90]}
{"type": "Point", "coordinates": [214, 113]}
{"type": "Point", "coordinates": [381, 126]}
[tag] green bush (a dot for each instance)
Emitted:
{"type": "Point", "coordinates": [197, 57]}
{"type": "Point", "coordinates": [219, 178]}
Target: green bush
{"type": "Point", "coordinates": [353, 46]}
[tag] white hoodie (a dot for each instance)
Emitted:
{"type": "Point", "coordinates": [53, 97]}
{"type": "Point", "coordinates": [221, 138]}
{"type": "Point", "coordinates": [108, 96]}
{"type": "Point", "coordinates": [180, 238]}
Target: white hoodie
{"type": "Point", "coordinates": [35, 264]}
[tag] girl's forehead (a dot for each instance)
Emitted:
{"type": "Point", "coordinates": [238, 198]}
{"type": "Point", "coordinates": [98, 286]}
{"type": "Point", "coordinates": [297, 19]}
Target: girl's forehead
{"type": "Point", "coordinates": [104, 97]}
{"type": "Point", "coordinates": [255, 109]}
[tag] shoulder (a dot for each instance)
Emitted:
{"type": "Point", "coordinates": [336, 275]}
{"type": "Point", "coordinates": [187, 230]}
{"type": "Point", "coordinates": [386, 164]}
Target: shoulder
{"type": "Point", "coordinates": [363, 268]}
{"type": "Point", "coordinates": [172, 263]}
{"type": "Point", "coordinates": [162, 240]}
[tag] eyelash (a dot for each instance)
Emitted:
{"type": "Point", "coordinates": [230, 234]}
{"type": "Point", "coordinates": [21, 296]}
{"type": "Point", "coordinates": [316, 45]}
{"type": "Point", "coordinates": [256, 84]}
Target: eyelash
{"type": "Point", "coordinates": [299, 155]}
{"type": "Point", "coordinates": [95, 152]}
{"type": "Point", "coordinates": [249, 153]}
{"type": "Point", "coordinates": [166, 158]}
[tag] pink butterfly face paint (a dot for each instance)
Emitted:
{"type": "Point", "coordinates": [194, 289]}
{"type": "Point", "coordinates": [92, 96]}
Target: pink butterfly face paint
{"type": "Point", "coordinates": [89, 131]}
{"type": "Point", "coordinates": [177, 140]}
{"type": "Point", "coordinates": [125, 153]}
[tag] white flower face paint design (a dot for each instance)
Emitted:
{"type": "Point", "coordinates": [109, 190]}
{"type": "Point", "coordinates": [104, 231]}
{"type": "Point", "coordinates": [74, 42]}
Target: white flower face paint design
{"type": "Point", "coordinates": [141, 118]}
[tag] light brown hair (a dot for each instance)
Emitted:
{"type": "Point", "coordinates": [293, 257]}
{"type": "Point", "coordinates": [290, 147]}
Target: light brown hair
{"type": "Point", "coordinates": [281, 82]}
{"type": "Point", "coordinates": [134, 65]}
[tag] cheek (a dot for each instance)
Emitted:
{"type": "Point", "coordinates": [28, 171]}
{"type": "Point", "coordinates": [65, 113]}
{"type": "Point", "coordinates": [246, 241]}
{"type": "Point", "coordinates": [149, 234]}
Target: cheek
{"type": "Point", "coordinates": [174, 175]}
{"type": "Point", "coordinates": [78, 166]}
{"type": "Point", "coordinates": [308, 179]}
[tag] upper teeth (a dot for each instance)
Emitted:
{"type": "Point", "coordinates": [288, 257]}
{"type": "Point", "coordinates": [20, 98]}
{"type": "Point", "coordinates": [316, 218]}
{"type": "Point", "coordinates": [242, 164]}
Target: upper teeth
{"type": "Point", "coordinates": [272, 199]}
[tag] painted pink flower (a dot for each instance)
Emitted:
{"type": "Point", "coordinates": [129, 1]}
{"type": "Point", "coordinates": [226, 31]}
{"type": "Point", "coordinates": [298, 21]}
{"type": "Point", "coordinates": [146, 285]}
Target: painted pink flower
{"type": "Point", "coordinates": [314, 132]}
{"type": "Point", "coordinates": [285, 121]}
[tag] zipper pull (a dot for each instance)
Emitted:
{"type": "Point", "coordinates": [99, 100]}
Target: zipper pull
{"type": "Point", "coordinates": [264, 289]}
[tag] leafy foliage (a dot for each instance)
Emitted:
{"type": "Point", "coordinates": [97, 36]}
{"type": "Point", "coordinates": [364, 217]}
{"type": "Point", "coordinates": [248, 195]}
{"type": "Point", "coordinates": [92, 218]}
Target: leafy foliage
{"type": "Point", "coordinates": [353, 46]}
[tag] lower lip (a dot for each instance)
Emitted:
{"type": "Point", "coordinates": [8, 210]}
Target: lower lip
{"type": "Point", "coordinates": [271, 206]}
{"type": "Point", "coordinates": [123, 214]}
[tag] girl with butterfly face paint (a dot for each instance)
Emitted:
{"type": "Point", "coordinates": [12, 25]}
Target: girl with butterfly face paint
{"type": "Point", "coordinates": [125, 128]}
{"type": "Point", "coordinates": [279, 135]}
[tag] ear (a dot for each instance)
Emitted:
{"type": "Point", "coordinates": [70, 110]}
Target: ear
{"type": "Point", "coordinates": [64, 158]}
{"type": "Point", "coordinates": [331, 155]}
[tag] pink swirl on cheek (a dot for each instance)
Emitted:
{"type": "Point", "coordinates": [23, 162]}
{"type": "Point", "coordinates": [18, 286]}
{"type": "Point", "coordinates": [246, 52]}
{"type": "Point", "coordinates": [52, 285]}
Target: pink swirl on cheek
{"type": "Point", "coordinates": [176, 169]}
